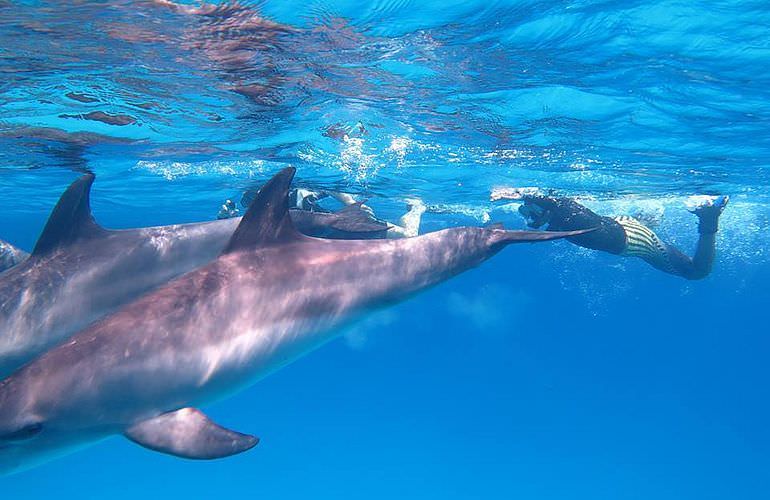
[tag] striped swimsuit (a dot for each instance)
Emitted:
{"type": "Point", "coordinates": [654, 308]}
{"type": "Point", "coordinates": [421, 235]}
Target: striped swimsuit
{"type": "Point", "coordinates": [643, 243]}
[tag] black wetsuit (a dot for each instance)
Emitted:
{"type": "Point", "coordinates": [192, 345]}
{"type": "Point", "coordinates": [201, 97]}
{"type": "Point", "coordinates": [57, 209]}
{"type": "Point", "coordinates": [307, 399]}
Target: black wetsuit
{"type": "Point", "coordinates": [628, 237]}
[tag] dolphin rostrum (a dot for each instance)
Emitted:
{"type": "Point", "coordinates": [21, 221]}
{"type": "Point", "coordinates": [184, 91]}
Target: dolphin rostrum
{"type": "Point", "coordinates": [80, 271]}
{"type": "Point", "coordinates": [271, 296]}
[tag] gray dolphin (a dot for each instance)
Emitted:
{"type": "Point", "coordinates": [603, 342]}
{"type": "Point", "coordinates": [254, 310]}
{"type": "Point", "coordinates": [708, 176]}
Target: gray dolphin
{"type": "Point", "coordinates": [80, 271]}
{"type": "Point", "coordinates": [273, 295]}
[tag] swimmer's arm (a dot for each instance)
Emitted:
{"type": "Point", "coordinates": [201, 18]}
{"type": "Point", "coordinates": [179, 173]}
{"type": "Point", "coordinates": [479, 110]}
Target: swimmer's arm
{"type": "Point", "coordinates": [536, 196]}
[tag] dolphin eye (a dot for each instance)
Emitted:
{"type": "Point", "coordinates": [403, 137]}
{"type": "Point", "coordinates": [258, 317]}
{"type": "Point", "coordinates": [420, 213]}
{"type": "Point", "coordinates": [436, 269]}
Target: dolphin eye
{"type": "Point", "coordinates": [26, 432]}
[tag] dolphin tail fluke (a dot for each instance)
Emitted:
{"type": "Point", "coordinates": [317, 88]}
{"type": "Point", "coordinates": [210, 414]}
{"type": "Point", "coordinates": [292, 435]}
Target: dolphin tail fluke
{"type": "Point", "coordinates": [188, 433]}
{"type": "Point", "coordinates": [71, 218]}
{"type": "Point", "coordinates": [355, 219]}
{"type": "Point", "coordinates": [504, 237]}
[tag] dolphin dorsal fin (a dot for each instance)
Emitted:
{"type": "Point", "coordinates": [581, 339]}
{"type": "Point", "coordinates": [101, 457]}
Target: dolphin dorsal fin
{"type": "Point", "coordinates": [71, 218]}
{"type": "Point", "coordinates": [267, 221]}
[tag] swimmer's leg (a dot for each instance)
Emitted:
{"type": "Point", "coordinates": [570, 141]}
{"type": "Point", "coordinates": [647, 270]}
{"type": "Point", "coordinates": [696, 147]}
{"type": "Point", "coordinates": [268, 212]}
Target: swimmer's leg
{"type": "Point", "coordinates": [409, 224]}
{"type": "Point", "coordinates": [702, 262]}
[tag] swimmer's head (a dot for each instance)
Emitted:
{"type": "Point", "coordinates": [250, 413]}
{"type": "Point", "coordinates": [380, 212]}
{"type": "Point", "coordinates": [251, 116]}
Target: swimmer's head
{"type": "Point", "coordinates": [535, 215]}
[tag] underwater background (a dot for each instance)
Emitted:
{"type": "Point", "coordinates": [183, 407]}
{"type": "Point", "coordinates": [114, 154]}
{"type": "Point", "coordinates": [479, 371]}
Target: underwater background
{"type": "Point", "coordinates": [549, 372]}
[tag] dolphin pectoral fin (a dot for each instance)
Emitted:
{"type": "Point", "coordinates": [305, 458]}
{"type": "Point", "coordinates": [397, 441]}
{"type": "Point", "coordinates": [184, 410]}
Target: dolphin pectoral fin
{"type": "Point", "coordinates": [188, 433]}
{"type": "Point", "coordinates": [71, 218]}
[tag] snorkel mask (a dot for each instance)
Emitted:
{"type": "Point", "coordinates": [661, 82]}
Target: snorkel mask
{"type": "Point", "coordinates": [534, 215]}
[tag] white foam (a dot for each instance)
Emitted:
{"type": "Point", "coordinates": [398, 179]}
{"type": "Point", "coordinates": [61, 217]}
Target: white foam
{"type": "Point", "coordinates": [175, 169]}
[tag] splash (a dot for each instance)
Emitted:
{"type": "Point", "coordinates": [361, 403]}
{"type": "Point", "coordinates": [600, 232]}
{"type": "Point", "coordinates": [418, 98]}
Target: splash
{"type": "Point", "coordinates": [171, 170]}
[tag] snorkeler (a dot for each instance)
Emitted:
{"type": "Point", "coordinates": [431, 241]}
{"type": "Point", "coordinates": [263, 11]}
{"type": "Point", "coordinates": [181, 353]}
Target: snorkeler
{"type": "Point", "coordinates": [303, 202]}
{"type": "Point", "coordinates": [10, 255]}
{"type": "Point", "coordinates": [624, 235]}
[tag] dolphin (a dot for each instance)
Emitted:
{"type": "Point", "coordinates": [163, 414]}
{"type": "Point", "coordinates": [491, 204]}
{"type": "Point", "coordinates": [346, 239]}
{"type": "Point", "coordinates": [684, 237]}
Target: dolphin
{"type": "Point", "coordinates": [80, 271]}
{"type": "Point", "coordinates": [271, 296]}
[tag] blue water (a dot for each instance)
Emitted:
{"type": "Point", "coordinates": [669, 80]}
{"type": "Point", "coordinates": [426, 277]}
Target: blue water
{"type": "Point", "coordinates": [550, 372]}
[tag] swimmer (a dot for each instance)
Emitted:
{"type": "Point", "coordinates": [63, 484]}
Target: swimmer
{"type": "Point", "coordinates": [623, 235]}
{"type": "Point", "coordinates": [305, 200]}
{"type": "Point", "coordinates": [10, 256]}
{"type": "Point", "coordinates": [228, 210]}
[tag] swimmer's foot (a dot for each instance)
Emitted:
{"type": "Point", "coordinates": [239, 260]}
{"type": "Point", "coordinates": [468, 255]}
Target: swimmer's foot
{"type": "Point", "coordinates": [704, 204]}
{"type": "Point", "coordinates": [415, 205]}
{"type": "Point", "coordinates": [708, 209]}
